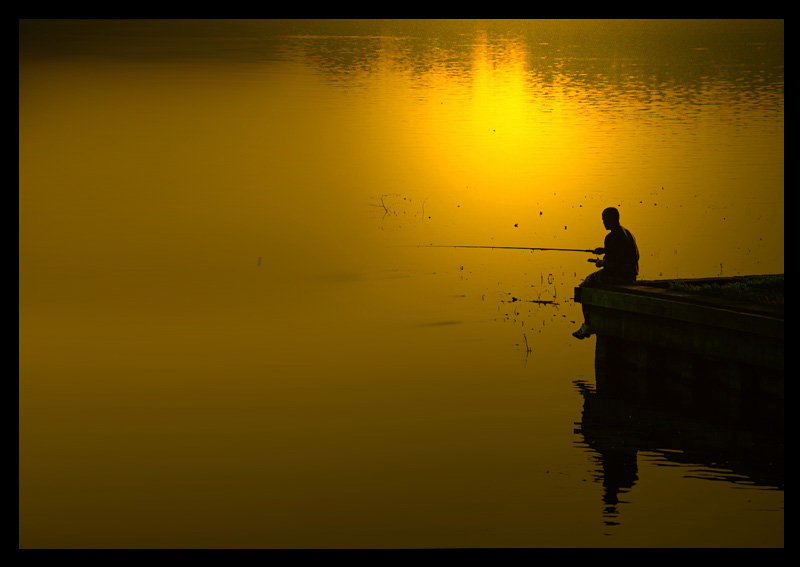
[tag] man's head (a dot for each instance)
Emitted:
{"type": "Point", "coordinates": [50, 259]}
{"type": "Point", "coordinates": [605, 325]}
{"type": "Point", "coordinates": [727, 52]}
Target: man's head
{"type": "Point", "coordinates": [610, 218]}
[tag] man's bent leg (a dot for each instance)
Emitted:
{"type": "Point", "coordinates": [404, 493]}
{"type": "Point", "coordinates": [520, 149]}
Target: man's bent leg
{"type": "Point", "coordinates": [593, 279]}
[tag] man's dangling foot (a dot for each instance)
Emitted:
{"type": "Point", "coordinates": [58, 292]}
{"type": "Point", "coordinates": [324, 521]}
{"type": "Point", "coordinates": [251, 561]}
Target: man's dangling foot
{"type": "Point", "coordinates": [583, 332]}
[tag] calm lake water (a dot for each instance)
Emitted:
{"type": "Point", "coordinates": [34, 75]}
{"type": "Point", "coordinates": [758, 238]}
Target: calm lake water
{"type": "Point", "coordinates": [229, 337]}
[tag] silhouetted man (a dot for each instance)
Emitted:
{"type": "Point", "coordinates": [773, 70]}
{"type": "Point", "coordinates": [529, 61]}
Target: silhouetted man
{"type": "Point", "coordinates": [620, 263]}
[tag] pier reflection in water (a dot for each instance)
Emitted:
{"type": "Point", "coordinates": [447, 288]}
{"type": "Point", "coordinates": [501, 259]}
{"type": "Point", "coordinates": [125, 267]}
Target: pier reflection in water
{"type": "Point", "coordinates": [625, 417]}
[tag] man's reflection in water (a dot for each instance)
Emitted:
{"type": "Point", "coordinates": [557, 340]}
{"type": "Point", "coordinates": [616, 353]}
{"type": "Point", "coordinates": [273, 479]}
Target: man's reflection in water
{"type": "Point", "coordinates": [619, 475]}
{"type": "Point", "coordinates": [603, 428]}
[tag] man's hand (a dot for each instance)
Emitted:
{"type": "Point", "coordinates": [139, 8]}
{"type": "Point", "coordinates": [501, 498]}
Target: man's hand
{"type": "Point", "coordinates": [599, 251]}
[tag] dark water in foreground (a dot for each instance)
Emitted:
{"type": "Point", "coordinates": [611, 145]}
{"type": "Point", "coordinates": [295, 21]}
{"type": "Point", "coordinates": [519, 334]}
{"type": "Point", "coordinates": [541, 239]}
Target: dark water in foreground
{"type": "Point", "coordinates": [227, 341]}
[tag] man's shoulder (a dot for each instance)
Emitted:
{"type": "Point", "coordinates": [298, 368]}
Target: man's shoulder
{"type": "Point", "coordinates": [617, 232]}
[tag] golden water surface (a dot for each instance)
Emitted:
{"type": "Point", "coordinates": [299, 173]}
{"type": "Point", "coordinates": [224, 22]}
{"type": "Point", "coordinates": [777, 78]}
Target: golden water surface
{"type": "Point", "coordinates": [229, 337]}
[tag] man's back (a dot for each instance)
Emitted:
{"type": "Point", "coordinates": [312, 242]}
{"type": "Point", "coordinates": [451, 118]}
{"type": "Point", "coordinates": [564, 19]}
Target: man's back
{"type": "Point", "coordinates": [621, 253]}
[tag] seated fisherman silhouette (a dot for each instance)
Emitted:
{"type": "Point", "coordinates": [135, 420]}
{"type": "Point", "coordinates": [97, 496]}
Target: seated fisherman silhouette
{"type": "Point", "coordinates": [619, 265]}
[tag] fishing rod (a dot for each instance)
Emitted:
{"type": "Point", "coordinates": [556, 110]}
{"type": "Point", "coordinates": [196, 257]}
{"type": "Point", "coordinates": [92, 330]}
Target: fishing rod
{"type": "Point", "coordinates": [504, 248]}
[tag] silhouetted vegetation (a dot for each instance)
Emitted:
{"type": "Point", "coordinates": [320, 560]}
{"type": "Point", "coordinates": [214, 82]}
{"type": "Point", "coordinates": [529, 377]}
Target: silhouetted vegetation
{"type": "Point", "coordinates": [767, 290]}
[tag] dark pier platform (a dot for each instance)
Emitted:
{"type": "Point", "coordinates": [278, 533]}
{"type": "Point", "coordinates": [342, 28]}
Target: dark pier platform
{"type": "Point", "coordinates": [708, 356]}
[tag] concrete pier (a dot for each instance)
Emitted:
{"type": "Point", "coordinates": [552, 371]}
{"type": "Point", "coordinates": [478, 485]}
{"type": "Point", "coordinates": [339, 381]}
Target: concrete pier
{"type": "Point", "coordinates": [701, 355]}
